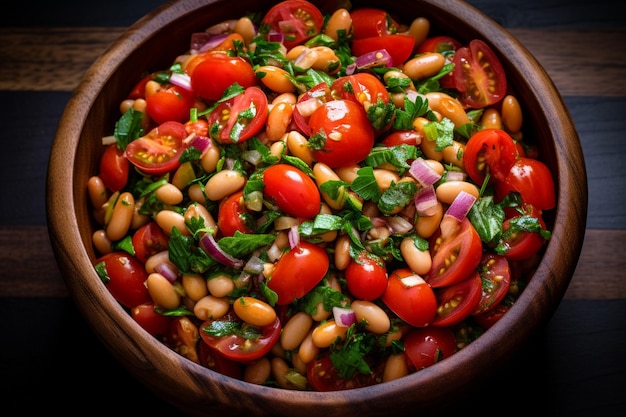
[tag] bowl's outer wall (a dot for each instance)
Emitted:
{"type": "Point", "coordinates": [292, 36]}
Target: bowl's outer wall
{"type": "Point", "coordinates": [151, 44]}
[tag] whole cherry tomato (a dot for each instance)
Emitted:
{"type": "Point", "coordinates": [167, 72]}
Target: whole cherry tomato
{"type": "Point", "coordinates": [124, 276]}
{"type": "Point", "coordinates": [297, 20]}
{"type": "Point", "coordinates": [410, 297]}
{"type": "Point", "coordinates": [366, 277]}
{"type": "Point", "coordinates": [247, 113]}
{"type": "Point", "coordinates": [533, 180]}
{"type": "Point", "coordinates": [170, 103]}
{"type": "Point", "coordinates": [294, 192]}
{"type": "Point", "coordinates": [518, 240]}
{"type": "Point", "coordinates": [157, 153]}
{"type": "Point", "coordinates": [399, 46]}
{"type": "Point", "coordinates": [231, 216]}
{"type": "Point", "coordinates": [154, 323]}
{"type": "Point", "coordinates": [298, 271]}
{"type": "Point", "coordinates": [427, 346]}
{"type": "Point", "coordinates": [148, 240]}
{"type": "Point", "coordinates": [341, 134]}
{"type": "Point", "coordinates": [363, 88]}
{"type": "Point", "coordinates": [114, 168]}
{"type": "Point", "coordinates": [369, 22]}
{"type": "Point", "coordinates": [216, 71]}
{"type": "Point", "coordinates": [489, 151]}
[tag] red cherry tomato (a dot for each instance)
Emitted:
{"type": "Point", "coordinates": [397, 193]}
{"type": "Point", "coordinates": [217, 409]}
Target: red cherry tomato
{"type": "Point", "coordinates": [157, 152]}
{"type": "Point", "coordinates": [341, 134]}
{"type": "Point", "coordinates": [478, 75]}
{"type": "Point", "coordinates": [307, 103]}
{"type": "Point", "coordinates": [139, 90]}
{"type": "Point", "coordinates": [297, 20]}
{"type": "Point", "coordinates": [199, 127]}
{"type": "Point", "coordinates": [246, 115]}
{"type": "Point", "coordinates": [170, 103]}
{"type": "Point", "coordinates": [368, 22]}
{"type": "Point", "coordinates": [456, 257]}
{"type": "Point", "coordinates": [124, 276]}
{"type": "Point", "coordinates": [183, 338]}
{"type": "Point", "coordinates": [399, 46]}
{"type": "Point", "coordinates": [533, 180]}
{"type": "Point", "coordinates": [210, 358]}
{"type": "Point", "coordinates": [491, 151]}
{"type": "Point", "coordinates": [410, 297]}
{"type": "Point", "coordinates": [294, 192]}
{"type": "Point", "coordinates": [323, 376]}
{"type": "Point", "coordinates": [231, 216]}
{"type": "Point", "coordinates": [491, 317]}
{"type": "Point", "coordinates": [234, 344]}
{"type": "Point", "coordinates": [427, 346]}
{"type": "Point", "coordinates": [402, 137]}
{"type": "Point", "coordinates": [361, 88]}
{"type": "Point", "coordinates": [149, 240]}
{"type": "Point", "coordinates": [366, 277]}
{"type": "Point", "coordinates": [298, 271]}
{"type": "Point", "coordinates": [154, 323]}
{"type": "Point", "coordinates": [216, 71]}
{"type": "Point", "coordinates": [456, 302]}
{"type": "Point", "coordinates": [440, 44]}
{"type": "Point", "coordinates": [114, 168]}
{"type": "Point", "coordinates": [521, 244]}
{"type": "Point", "coordinates": [496, 280]}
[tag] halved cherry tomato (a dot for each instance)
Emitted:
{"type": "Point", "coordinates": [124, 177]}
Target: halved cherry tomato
{"type": "Point", "coordinates": [533, 180]}
{"type": "Point", "coordinates": [216, 71]}
{"type": "Point", "coordinates": [521, 243]}
{"type": "Point", "coordinates": [124, 276]}
{"type": "Point", "coordinates": [456, 257]}
{"type": "Point", "coordinates": [209, 358]}
{"type": "Point", "coordinates": [297, 20]}
{"type": "Point", "coordinates": [154, 323]}
{"type": "Point", "coordinates": [157, 152]}
{"type": "Point", "coordinates": [231, 216]}
{"type": "Point", "coordinates": [307, 104]}
{"type": "Point", "coordinates": [170, 103]}
{"type": "Point", "coordinates": [427, 346]}
{"type": "Point", "coordinates": [368, 22]}
{"type": "Point", "coordinates": [366, 277]}
{"type": "Point", "coordinates": [495, 274]}
{"type": "Point", "coordinates": [239, 118]}
{"type": "Point", "coordinates": [489, 151]}
{"type": "Point", "coordinates": [323, 376]}
{"type": "Point", "coordinates": [399, 46]}
{"type": "Point", "coordinates": [478, 75]}
{"type": "Point", "coordinates": [114, 168]}
{"type": "Point", "coordinates": [199, 127]}
{"type": "Point", "coordinates": [298, 271]}
{"type": "Point", "coordinates": [361, 88]}
{"type": "Point", "coordinates": [239, 345]}
{"type": "Point", "coordinates": [294, 192]}
{"type": "Point", "coordinates": [410, 297]}
{"type": "Point", "coordinates": [341, 134]}
{"type": "Point", "coordinates": [491, 317]}
{"type": "Point", "coordinates": [456, 302]}
{"type": "Point", "coordinates": [148, 240]}
{"type": "Point", "coordinates": [183, 338]}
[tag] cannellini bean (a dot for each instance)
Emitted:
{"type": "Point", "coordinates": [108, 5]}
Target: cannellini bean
{"type": "Point", "coordinates": [210, 307]}
{"type": "Point", "coordinates": [170, 219]}
{"type": "Point", "coordinates": [254, 311]}
{"type": "Point", "coordinates": [224, 183]}
{"type": "Point", "coordinates": [121, 217]}
{"type": "Point", "coordinates": [196, 193]}
{"type": "Point", "coordinates": [419, 29]}
{"type": "Point", "coordinates": [183, 175]}
{"type": "Point", "coordinates": [258, 371]}
{"type": "Point", "coordinates": [220, 285]}
{"type": "Point", "coordinates": [511, 114]}
{"type": "Point", "coordinates": [288, 98]}
{"type": "Point", "coordinates": [198, 211]}
{"type": "Point", "coordinates": [426, 226]}
{"type": "Point", "coordinates": [169, 194]}
{"type": "Point", "coordinates": [245, 27]}
{"type": "Point", "coordinates": [339, 21]}
{"type": "Point", "coordinates": [453, 154]}
{"type": "Point", "coordinates": [101, 242]}
{"type": "Point", "coordinates": [297, 144]}
{"type": "Point", "coordinates": [325, 60]}
{"type": "Point", "coordinates": [98, 195]}
{"type": "Point", "coordinates": [419, 261]}
{"type": "Point", "coordinates": [275, 78]}
{"type": "Point", "coordinates": [424, 65]}
{"type": "Point", "coordinates": [278, 121]}
{"type": "Point", "coordinates": [377, 321]}
{"type": "Point", "coordinates": [326, 333]}
{"type": "Point", "coordinates": [162, 291]}
{"type": "Point", "coordinates": [295, 330]}
{"type": "Point", "coordinates": [210, 159]}
{"type": "Point", "coordinates": [323, 173]}
{"type": "Point", "coordinates": [395, 367]}
{"type": "Point", "coordinates": [195, 286]}
{"type": "Point", "coordinates": [280, 368]}
{"type": "Point", "coordinates": [449, 190]}
{"type": "Point", "coordinates": [342, 252]}
{"type": "Point", "coordinates": [448, 107]}
{"type": "Point", "coordinates": [384, 178]}
{"type": "Point", "coordinates": [491, 119]}
{"type": "Point", "coordinates": [347, 173]}
{"type": "Point", "coordinates": [308, 350]}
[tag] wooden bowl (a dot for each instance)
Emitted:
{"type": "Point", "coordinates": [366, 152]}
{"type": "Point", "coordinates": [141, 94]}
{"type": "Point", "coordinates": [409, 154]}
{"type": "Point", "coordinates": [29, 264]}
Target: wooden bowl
{"type": "Point", "coordinates": [152, 43]}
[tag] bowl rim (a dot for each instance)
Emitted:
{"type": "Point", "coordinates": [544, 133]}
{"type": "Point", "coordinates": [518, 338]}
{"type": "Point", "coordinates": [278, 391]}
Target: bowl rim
{"type": "Point", "coordinates": [544, 291]}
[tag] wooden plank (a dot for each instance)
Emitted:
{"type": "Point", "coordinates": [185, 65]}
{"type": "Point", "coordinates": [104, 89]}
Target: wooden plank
{"type": "Point", "coordinates": [54, 59]}
{"type": "Point", "coordinates": [601, 272]}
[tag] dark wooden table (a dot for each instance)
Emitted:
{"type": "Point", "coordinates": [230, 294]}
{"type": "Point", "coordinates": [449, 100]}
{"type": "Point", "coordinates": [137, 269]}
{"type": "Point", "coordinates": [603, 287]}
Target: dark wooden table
{"type": "Point", "coordinates": [51, 361]}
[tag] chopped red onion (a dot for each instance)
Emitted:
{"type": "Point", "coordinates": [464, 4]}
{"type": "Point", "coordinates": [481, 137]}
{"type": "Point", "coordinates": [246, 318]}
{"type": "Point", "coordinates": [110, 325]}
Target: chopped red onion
{"type": "Point", "coordinates": [455, 176]}
{"type": "Point", "coordinates": [350, 69]}
{"type": "Point", "coordinates": [275, 37]}
{"type": "Point", "coordinates": [374, 59]}
{"type": "Point", "coordinates": [294, 236]}
{"type": "Point", "coordinates": [456, 213]}
{"type": "Point", "coordinates": [307, 107]}
{"type": "Point", "coordinates": [423, 172]}
{"type": "Point", "coordinates": [209, 244]}
{"type": "Point", "coordinates": [213, 41]}
{"type": "Point", "coordinates": [344, 317]}
{"type": "Point", "coordinates": [181, 80]}
{"type": "Point", "coordinates": [399, 224]}
{"type": "Point", "coordinates": [168, 270]}
{"type": "Point", "coordinates": [426, 201]}
{"type": "Point", "coordinates": [201, 143]}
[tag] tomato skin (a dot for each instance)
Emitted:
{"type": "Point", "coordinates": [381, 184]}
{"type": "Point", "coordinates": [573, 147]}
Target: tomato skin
{"type": "Point", "coordinates": [238, 349]}
{"type": "Point", "coordinates": [218, 71]}
{"type": "Point", "coordinates": [227, 132]}
{"type": "Point", "coordinates": [533, 180]}
{"type": "Point", "coordinates": [495, 275]}
{"type": "Point", "coordinates": [491, 317]}
{"type": "Point", "coordinates": [183, 337]}
{"type": "Point", "coordinates": [456, 302]}
{"type": "Point", "coordinates": [524, 244]}
{"type": "Point", "coordinates": [157, 152]}
{"type": "Point", "coordinates": [114, 168]}
{"type": "Point", "coordinates": [139, 90]}
{"type": "Point", "coordinates": [298, 271]}
{"type": "Point", "coordinates": [440, 44]}
{"type": "Point", "coordinates": [170, 103]}
{"type": "Point", "coordinates": [361, 88]}
{"type": "Point", "coordinates": [492, 149]}
{"type": "Point", "coordinates": [399, 46]}
{"type": "Point", "coordinates": [427, 346]}
{"type": "Point", "coordinates": [323, 376]}
{"type": "Point", "coordinates": [149, 240]}
{"type": "Point", "coordinates": [402, 137]}
{"type": "Point", "coordinates": [154, 323]}
{"type": "Point", "coordinates": [466, 247]}
{"type": "Point", "coordinates": [212, 359]}
{"type": "Point", "coordinates": [294, 192]}
{"type": "Point", "coordinates": [366, 277]}
{"type": "Point", "coordinates": [347, 121]}
{"type": "Point", "coordinates": [298, 20]}
{"type": "Point", "coordinates": [126, 278]}
{"type": "Point", "coordinates": [369, 22]}
{"type": "Point", "coordinates": [231, 215]}
{"type": "Point", "coordinates": [479, 87]}
{"type": "Point", "coordinates": [322, 94]}
{"type": "Point", "coordinates": [410, 297]}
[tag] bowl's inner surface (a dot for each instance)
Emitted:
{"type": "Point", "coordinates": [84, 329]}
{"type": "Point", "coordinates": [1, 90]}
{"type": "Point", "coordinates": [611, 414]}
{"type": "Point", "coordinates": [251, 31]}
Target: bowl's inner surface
{"type": "Point", "coordinates": [152, 44]}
